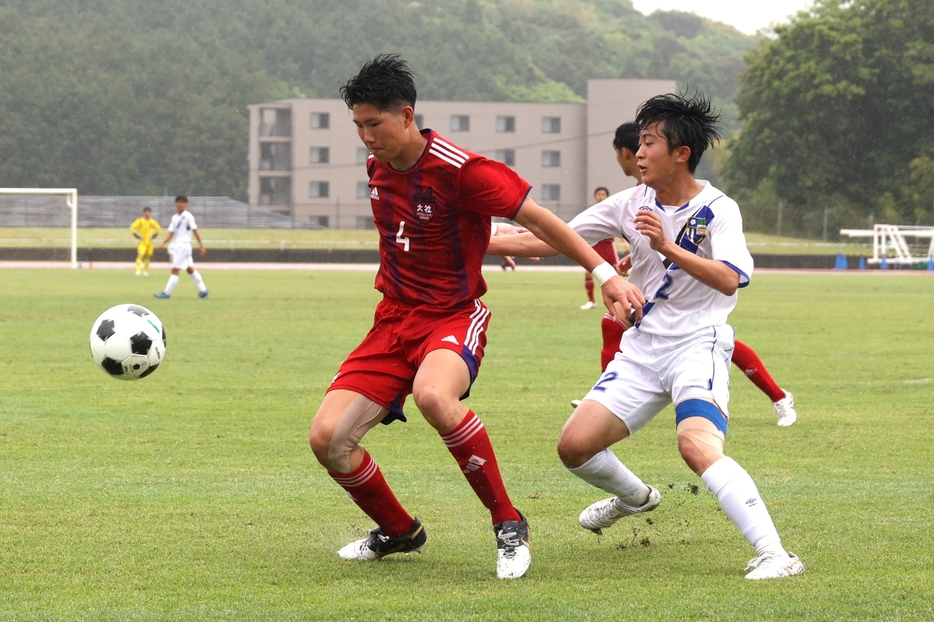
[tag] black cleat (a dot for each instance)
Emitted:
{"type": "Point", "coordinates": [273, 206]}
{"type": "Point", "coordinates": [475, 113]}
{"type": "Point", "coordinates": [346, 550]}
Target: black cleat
{"type": "Point", "coordinates": [377, 545]}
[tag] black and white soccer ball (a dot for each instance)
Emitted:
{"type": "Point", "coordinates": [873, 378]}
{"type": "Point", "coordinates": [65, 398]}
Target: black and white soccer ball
{"type": "Point", "coordinates": [128, 341]}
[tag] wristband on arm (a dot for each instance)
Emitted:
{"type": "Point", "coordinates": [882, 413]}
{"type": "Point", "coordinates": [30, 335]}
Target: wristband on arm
{"type": "Point", "coordinates": [603, 273]}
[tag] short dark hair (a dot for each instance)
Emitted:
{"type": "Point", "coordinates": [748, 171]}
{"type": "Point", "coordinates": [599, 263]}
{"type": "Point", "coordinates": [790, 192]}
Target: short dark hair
{"type": "Point", "coordinates": [688, 122]}
{"type": "Point", "coordinates": [627, 135]}
{"type": "Point", "coordinates": [181, 198]}
{"type": "Point", "coordinates": [147, 209]}
{"type": "Point", "coordinates": [385, 82]}
{"type": "Point", "coordinates": [599, 188]}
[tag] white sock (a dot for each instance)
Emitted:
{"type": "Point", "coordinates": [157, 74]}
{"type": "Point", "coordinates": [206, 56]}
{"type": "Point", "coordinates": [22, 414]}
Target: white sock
{"type": "Point", "coordinates": [199, 282]}
{"type": "Point", "coordinates": [173, 281]}
{"type": "Point", "coordinates": [606, 472]}
{"type": "Point", "coordinates": [740, 500]}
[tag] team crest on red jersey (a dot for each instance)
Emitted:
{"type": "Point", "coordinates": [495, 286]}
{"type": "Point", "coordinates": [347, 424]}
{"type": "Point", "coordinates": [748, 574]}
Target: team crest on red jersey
{"type": "Point", "coordinates": [424, 204]}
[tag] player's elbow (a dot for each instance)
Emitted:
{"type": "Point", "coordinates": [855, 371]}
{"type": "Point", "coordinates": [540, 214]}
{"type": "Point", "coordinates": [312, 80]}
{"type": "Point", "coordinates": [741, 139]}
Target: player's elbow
{"type": "Point", "coordinates": [728, 289]}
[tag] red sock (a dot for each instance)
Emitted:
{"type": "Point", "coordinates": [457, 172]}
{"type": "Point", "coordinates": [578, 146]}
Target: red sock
{"type": "Point", "coordinates": [470, 445]}
{"type": "Point", "coordinates": [746, 359]}
{"type": "Point", "coordinates": [588, 284]}
{"type": "Point", "coordinates": [612, 333]}
{"type": "Point", "coordinates": [373, 495]}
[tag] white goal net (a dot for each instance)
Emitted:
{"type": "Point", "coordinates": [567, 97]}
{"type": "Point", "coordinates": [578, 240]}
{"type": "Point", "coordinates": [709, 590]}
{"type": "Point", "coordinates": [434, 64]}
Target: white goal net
{"type": "Point", "coordinates": [29, 207]}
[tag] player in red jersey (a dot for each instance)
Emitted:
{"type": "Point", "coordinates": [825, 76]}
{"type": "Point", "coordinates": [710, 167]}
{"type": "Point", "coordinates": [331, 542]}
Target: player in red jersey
{"type": "Point", "coordinates": [432, 204]}
{"type": "Point", "coordinates": [605, 248]}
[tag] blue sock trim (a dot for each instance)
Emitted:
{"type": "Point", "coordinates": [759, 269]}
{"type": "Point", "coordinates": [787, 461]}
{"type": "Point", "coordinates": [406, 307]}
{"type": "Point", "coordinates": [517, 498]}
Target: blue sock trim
{"type": "Point", "coordinates": [700, 408]}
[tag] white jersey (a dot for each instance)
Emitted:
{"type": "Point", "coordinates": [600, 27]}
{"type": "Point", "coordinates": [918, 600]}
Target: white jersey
{"type": "Point", "coordinates": [182, 226]}
{"type": "Point", "coordinates": [709, 225]}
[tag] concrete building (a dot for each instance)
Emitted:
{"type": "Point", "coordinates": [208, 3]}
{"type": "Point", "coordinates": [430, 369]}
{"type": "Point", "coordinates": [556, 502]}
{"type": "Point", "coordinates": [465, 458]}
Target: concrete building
{"type": "Point", "coordinates": [307, 161]}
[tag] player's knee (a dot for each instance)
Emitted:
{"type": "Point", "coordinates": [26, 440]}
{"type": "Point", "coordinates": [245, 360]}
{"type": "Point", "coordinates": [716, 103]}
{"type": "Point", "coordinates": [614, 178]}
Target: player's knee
{"type": "Point", "coordinates": [572, 452]}
{"type": "Point", "coordinates": [701, 432]}
{"type": "Point", "coordinates": [436, 407]}
{"type": "Point", "coordinates": [320, 440]}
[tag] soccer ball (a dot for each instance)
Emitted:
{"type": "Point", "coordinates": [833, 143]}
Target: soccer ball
{"type": "Point", "coordinates": [128, 342]}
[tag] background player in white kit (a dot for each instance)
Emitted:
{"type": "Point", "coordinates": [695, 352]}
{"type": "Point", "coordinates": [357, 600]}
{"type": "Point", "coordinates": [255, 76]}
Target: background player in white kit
{"type": "Point", "coordinates": [689, 257]}
{"type": "Point", "coordinates": [181, 229]}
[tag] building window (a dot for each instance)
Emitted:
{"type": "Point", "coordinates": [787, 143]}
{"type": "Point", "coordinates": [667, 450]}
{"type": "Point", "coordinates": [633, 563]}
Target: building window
{"type": "Point", "coordinates": [275, 122]}
{"type": "Point", "coordinates": [551, 125]}
{"type": "Point", "coordinates": [275, 156]}
{"type": "Point", "coordinates": [320, 120]}
{"type": "Point", "coordinates": [420, 121]}
{"type": "Point", "coordinates": [506, 156]}
{"type": "Point", "coordinates": [275, 191]}
{"type": "Point", "coordinates": [363, 190]}
{"type": "Point", "coordinates": [365, 222]}
{"type": "Point", "coordinates": [320, 155]}
{"type": "Point", "coordinates": [505, 124]}
{"type": "Point", "coordinates": [362, 154]}
{"type": "Point", "coordinates": [551, 192]}
{"type": "Point", "coordinates": [551, 158]}
{"type": "Point", "coordinates": [460, 123]}
{"type": "Point", "coordinates": [319, 190]}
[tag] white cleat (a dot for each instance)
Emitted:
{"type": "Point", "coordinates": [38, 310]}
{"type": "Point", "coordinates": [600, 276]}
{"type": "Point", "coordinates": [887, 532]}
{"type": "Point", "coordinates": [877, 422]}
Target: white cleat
{"type": "Point", "coordinates": [514, 554]}
{"type": "Point", "coordinates": [605, 513]}
{"type": "Point", "coordinates": [589, 305]}
{"type": "Point", "coordinates": [359, 551]}
{"type": "Point", "coordinates": [378, 545]}
{"type": "Point", "coordinates": [774, 566]}
{"type": "Point", "coordinates": [785, 410]}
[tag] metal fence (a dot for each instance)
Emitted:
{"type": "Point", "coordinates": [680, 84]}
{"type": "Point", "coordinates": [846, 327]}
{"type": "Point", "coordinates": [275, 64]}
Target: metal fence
{"type": "Point", "coordinates": [105, 212]}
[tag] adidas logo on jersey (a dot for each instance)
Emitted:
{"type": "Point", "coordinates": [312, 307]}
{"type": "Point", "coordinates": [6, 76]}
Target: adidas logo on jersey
{"type": "Point", "coordinates": [451, 339]}
{"type": "Point", "coordinates": [374, 194]}
{"type": "Point", "coordinates": [473, 464]}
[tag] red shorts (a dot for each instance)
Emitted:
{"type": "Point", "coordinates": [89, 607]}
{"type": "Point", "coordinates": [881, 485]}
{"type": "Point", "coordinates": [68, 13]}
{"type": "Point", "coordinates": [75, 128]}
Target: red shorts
{"type": "Point", "coordinates": [384, 365]}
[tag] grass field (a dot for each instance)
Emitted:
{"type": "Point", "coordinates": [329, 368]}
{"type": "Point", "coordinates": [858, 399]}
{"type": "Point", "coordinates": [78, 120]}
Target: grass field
{"type": "Point", "coordinates": [353, 239]}
{"type": "Point", "coordinates": [193, 495]}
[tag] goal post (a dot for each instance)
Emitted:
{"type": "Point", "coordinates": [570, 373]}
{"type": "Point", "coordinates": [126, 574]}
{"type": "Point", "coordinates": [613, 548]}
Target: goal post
{"type": "Point", "coordinates": [71, 199]}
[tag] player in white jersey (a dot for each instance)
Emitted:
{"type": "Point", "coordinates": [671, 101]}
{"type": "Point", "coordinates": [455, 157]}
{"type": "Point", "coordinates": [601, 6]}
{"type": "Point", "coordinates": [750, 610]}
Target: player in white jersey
{"type": "Point", "coordinates": [181, 229]}
{"type": "Point", "coordinates": [689, 258]}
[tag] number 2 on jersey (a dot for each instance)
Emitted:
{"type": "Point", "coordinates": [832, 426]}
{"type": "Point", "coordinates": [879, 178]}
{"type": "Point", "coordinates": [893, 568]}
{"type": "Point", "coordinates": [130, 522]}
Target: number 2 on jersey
{"type": "Point", "coordinates": [400, 239]}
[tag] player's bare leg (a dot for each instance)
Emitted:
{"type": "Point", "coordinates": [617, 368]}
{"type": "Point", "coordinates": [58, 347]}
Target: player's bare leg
{"type": "Point", "coordinates": [441, 380]}
{"type": "Point", "coordinates": [339, 425]}
{"type": "Point", "coordinates": [584, 450]}
{"type": "Point", "coordinates": [701, 445]}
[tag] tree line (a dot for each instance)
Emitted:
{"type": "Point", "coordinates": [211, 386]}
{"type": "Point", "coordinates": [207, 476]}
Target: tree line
{"type": "Point", "coordinates": [150, 96]}
{"type": "Point", "coordinates": [827, 116]}
{"type": "Point", "coordinates": [836, 112]}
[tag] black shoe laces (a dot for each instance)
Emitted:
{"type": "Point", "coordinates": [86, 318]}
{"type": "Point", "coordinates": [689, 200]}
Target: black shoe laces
{"type": "Point", "coordinates": [511, 542]}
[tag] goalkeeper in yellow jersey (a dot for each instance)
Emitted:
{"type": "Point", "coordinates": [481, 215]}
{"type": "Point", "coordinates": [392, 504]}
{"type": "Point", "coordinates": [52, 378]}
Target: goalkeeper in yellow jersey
{"type": "Point", "coordinates": [145, 230]}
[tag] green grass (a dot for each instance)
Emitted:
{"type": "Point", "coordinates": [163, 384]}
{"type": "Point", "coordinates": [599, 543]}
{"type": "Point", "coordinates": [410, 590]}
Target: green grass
{"type": "Point", "coordinates": [353, 239]}
{"type": "Point", "coordinates": [193, 495]}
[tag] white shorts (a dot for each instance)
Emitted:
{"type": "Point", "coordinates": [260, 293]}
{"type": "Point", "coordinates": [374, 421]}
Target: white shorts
{"type": "Point", "coordinates": [180, 256]}
{"type": "Point", "coordinates": [652, 372]}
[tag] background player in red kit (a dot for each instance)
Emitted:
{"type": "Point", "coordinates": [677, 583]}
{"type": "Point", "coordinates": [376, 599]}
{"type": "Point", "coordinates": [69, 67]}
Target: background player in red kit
{"type": "Point", "coordinates": [432, 204]}
{"type": "Point", "coordinates": [605, 248]}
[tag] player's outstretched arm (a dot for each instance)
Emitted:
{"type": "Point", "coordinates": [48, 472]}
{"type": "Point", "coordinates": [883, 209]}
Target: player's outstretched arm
{"type": "Point", "coordinates": [712, 273]}
{"type": "Point", "coordinates": [620, 297]}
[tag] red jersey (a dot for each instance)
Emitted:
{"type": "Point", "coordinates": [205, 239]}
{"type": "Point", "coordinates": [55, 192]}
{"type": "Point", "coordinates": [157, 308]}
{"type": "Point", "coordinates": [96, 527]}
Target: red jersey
{"type": "Point", "coordinates": [607, 249]}
{"type": "Point", "coordinates": [434, 222]}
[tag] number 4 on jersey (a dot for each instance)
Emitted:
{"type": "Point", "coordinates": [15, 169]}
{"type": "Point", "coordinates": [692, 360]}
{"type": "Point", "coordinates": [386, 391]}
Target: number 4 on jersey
{"type": "Point", "coordinates": [400, 239]}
